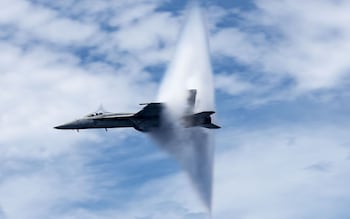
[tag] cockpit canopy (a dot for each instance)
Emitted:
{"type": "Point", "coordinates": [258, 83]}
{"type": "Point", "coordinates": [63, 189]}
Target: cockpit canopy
{"type": "Point", "coordinates": [94, 114]}
{"type": "Point", "coordinates": [99, 112]}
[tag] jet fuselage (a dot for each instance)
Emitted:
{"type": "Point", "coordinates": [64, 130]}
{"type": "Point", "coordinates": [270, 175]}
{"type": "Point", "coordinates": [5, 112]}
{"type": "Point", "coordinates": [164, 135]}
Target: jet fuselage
{"type": "Point", "coordinates": [145, 120]}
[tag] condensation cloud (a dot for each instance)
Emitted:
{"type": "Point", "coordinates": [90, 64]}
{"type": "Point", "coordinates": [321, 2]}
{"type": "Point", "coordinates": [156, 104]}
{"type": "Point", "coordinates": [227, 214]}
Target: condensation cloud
{"type": "Point", "coordinates": [190, 68]}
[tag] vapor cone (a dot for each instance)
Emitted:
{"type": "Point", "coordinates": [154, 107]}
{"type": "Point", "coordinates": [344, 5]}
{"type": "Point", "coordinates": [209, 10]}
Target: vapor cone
{"type": "Point", "coordinates": [189, 69]}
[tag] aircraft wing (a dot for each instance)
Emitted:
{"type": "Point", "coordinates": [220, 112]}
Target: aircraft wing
{"type": "Point", "coordinates": [150, 110]}
{"type": "Point", "coordinates": [202, 114]}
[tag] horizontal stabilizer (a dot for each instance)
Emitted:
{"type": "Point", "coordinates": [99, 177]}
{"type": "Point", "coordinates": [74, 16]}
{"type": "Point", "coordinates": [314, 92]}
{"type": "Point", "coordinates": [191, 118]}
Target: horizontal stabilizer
{"type": "Point", "coordinates": [202, 119]}
{"type": "Point", "coordinates": [203, 114]}
{"type": "Point", "coordinates": [210, 126]}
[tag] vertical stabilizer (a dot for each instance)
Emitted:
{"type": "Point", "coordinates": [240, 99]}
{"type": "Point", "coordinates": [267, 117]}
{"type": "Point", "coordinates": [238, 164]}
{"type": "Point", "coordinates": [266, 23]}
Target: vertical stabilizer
{"type": "Point", "coordinates": [191, 100]}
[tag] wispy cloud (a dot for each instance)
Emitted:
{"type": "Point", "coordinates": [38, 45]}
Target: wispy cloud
{"type": "Point", "coordinates": [270, 174]}
{"type": "Point", "coordinates": [232, 84]}
{"type": "Point", "coordinates": [305, 43]}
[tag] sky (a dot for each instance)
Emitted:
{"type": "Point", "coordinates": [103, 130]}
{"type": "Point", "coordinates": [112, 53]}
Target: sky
{"type": "Point", "coordinates": [281, 77]}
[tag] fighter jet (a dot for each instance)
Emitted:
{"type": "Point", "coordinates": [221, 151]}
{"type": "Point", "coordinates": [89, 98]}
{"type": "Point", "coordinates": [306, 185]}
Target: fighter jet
{"type": "Point", "coordinates": [146, 120]}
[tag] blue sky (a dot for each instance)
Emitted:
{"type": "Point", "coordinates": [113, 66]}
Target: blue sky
{"type": "Point", "coordinates": [281, 74]}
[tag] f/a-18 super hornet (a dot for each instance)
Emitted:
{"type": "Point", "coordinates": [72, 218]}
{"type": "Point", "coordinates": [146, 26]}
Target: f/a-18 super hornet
{"type": "Point", "coordinates": [145, 120]}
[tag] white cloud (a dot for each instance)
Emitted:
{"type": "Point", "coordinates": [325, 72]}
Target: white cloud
{"type": "Point", "coordinates": [135, 13]}
{"type": "Point", "coordinates": [307, 42]}
{"type": "Point", "coordinates": [232, 84]}
{"type": "Point", "coordinates": [150, 38]}
{"type": "Point", "coordinates": [144, 34]}
{"type": "Point", "coordinates": [39, 190]}
{"type": "Point", "coordinates": [175, 201]}
{"type": "Point", "coordinates": [238, 44]}
{"type": "Point", "coordinates": [42, 23]}
{"type": "Point", "coordinates": [267, 174]}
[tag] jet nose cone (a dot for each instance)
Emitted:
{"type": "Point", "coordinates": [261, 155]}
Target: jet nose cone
{"type": "Point", "coordinates": [60, 127]}
{"type": "Point", "coordinates": [70, 125]}
{"type": "Point", "coordinates": [65, 126]}
{"type": "Point", "coordinates": [77, 124]}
